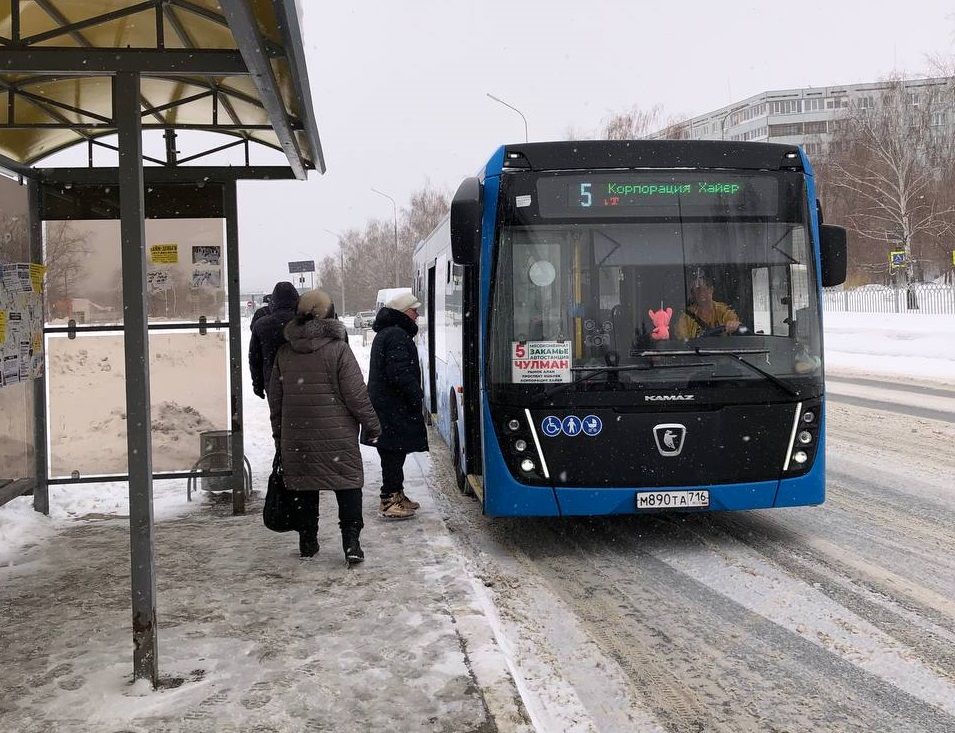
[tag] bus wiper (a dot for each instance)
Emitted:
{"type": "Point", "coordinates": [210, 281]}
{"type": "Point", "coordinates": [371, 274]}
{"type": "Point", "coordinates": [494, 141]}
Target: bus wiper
{"type": "Point", "coordinates": [738, 355]}
{"type": "Point", "coordinates": [595, 371]}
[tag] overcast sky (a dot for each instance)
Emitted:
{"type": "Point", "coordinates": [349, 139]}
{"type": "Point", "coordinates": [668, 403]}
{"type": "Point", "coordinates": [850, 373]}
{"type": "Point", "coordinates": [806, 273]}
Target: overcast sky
{"type": "Point", "coordinates": [399, 87]}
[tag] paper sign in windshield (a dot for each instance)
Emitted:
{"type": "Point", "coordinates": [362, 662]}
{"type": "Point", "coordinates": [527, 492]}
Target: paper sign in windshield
{"type": "Point", "coordinates": [540, 362]}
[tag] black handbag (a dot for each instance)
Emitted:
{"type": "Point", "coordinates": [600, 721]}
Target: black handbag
{"type": "Point", "coordinates": [279, 513]}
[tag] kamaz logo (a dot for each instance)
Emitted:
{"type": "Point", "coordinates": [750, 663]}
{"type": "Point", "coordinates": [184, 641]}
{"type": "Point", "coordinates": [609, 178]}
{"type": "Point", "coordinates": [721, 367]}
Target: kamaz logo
{"type": "Point", "coordinates": [669, 397]}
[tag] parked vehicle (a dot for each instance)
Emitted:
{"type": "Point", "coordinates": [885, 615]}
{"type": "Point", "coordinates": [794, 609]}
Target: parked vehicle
{"type": "Point", "coordinates": [364, 319]}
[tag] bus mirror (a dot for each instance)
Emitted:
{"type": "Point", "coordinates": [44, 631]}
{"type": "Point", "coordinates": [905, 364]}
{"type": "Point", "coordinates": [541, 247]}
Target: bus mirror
{"type": "Point", "coordinates": [466, 214]}
{"type": "Point", "coordinates": [833, 251]}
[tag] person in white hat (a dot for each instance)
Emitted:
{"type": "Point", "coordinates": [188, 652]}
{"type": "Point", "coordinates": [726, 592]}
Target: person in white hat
{"type": "Point", "coordinates": [394, 385]}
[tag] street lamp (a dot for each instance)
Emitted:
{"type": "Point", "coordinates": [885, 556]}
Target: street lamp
{"type": "Point", "coordinates": [341, 259]}
{"type": "Point", "coordinates": [511, 106]}
{"type": "Point", "coordinates": [395, 207]}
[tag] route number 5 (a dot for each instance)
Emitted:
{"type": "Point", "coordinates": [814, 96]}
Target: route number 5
{"type": "Point", "coordinates": [586, 198]}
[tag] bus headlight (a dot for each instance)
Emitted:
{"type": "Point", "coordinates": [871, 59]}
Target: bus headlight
{"type": "Point", "coordinates": [805, 437]}
{"type": "Point", "coordinates": [800, 457]}
{"type": "Point", "coordinates": [513, 425]}
{"type": "Point", "coordinates": [527, 465]}
{"type": "Point", "coordinates": [808, 416]}
{"type": "Point", "coordinates": [520, 445]}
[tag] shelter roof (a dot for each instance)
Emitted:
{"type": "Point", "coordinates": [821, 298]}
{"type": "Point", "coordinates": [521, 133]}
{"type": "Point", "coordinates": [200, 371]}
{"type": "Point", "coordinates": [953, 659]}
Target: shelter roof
{"type": "Point", "coordinates": [230, 66]}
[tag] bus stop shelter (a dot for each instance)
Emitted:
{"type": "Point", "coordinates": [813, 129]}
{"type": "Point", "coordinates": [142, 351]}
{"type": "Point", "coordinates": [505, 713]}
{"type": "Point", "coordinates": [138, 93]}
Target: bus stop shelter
{"type": "Point", "coordinates": [113, 76]}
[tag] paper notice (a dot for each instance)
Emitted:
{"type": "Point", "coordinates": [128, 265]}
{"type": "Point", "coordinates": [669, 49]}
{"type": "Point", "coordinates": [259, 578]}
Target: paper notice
{"type": "Point", "coordinates": [540, 362]}
{"type": "Point", "coordinates": [36, 277]}
{"type": "Point", "coordinates": [164, 254]}
{"type": "Point", "coordinates": [16, 277]}
{"type": "Point", "coordinates": [207, 254]}
{"type": "Point", "coordinates": [11, 369]}
{"type": "Point", "coordinates": [207, 278]}
{"type": "Point", "coordinates": [157, 281]}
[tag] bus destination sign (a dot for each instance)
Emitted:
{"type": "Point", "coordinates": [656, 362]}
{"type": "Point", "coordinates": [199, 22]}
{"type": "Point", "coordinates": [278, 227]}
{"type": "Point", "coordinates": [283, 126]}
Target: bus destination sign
{"type": "Point", "coordinates": [655, 194]}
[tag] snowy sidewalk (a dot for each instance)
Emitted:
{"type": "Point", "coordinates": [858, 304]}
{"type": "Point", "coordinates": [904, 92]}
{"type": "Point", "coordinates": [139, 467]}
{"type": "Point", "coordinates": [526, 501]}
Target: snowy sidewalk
{"type": "Point", "coordinates": [261, 639]}
{"type": "Point", "coordinates": [251, 637]}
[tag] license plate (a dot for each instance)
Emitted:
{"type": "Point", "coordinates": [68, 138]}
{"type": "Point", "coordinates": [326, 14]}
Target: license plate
{"type": "Point", "coordinates": [672, 499]}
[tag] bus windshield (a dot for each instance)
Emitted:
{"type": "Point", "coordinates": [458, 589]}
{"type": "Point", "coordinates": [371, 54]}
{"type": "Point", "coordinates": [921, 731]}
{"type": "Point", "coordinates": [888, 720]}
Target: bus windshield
{"type": "Point", "coordinates": [683, 291]}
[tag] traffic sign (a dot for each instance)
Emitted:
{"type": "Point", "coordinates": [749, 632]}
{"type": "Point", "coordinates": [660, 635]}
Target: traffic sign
{"type": "Point", "coordinates": [302, 266]}
{"type": "Point", "coordinates": [897, 258]}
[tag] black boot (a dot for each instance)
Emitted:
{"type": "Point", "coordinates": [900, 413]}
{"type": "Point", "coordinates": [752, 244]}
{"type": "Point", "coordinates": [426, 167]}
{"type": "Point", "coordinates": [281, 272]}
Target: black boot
{"type": "Point", "coordinates": [350, 544]}
{"type": "Point", "coordinates": [307, 544]}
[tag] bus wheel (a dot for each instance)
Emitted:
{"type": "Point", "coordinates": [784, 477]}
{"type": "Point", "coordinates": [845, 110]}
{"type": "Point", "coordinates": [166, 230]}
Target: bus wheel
{"type": "Point", "coordinates": [460, 477]}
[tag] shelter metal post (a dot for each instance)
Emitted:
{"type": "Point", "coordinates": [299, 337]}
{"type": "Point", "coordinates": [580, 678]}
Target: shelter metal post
{"type": "Point", "coordinates": [41, 489]}
{"type": "Point", "coordinates": [126, 109]}
{"type": "Point", "coordinates": [235, 348]}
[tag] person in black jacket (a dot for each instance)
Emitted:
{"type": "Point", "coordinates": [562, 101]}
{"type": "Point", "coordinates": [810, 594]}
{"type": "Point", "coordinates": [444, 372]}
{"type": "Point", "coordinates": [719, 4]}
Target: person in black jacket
{"type": "Point", "coordinates": [268, 336]}
{"type": "Point", "coordinates": [394, 385]}
{"type": "Point", "coordinates": [260, 312]}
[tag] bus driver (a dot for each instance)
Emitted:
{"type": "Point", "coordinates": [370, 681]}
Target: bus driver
{"type": "Point", "coordinates": [703, 315]}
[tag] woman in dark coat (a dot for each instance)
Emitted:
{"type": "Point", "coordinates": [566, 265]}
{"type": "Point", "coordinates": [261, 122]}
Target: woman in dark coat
{"type": "Point", "coordinates": [394, 385]}
{"type": "Point", "coordinates": [318, 401]}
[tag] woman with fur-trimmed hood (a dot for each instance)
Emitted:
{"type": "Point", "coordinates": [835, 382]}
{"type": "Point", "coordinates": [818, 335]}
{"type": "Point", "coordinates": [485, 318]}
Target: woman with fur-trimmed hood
{"type": "Point", "coordinates": [319, 401]}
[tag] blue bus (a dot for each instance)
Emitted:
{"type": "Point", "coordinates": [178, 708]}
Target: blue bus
{"type": "Point", "coordinates": [617, 327]}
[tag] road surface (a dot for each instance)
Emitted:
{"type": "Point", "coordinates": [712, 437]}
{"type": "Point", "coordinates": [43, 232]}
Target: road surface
{"type": "Point", "coordinates": [831, 618]}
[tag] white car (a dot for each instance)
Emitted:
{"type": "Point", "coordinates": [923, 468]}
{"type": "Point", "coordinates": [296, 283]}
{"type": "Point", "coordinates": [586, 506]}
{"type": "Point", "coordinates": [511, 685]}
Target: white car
{"type": "Point", "coordinates": [364, 319]}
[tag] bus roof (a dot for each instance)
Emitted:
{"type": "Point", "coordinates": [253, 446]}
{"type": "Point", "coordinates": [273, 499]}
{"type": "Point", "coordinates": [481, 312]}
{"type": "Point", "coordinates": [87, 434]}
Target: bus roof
{"type": "Point", "coordinates": [614, 154]}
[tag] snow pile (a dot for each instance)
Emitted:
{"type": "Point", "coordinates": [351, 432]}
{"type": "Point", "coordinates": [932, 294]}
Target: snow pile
{"type": "Point", "coordinates": [891, 344]}
{"type": "Point", "coordinates": [21, 528]}
{"type": "Point", "coordinates": [87, 401]}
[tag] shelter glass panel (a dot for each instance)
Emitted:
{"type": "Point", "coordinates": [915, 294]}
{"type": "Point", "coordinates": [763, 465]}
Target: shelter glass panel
{"type": "Point", "coordinates": [189, 379]}
{"type": "Point", "coordinates": [186, 275]}
{"type": "Point", "coordinates": [20, 299]}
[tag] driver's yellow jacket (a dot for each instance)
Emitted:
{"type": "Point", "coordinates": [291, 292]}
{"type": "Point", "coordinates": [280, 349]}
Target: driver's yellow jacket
{"type": "Point", "coordinates": [688, 328]}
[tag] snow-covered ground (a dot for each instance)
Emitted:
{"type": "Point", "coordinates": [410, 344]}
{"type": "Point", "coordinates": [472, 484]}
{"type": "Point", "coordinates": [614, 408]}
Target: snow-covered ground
{"type": "Point", "coordinates": [254, 637]}
{"type": "Point", "coordinates": [425, 636]}
{"type": "Point", "coordinates": [894, 345]}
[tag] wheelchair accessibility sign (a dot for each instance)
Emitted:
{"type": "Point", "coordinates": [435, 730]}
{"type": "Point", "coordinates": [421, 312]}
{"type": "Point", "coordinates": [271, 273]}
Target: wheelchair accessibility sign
{"type": "Point", "coordinates": [550, 426]}
{"type": "Point", "coordinates": [571, 426]}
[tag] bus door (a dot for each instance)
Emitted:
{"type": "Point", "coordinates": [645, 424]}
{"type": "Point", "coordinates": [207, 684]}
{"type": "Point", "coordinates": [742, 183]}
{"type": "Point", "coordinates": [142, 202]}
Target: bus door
{"type": "Point", "coordinates": [432, 323]}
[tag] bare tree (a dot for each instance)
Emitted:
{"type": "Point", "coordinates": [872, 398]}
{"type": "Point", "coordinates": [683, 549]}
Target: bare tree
{"type": "Point", "coordinates": [428, 206]}
{"type": "Point", "coordinates": [65, 252]}
{"type": "Point", "coordinates": [631, 124]}
{"type": "Point", "coordinates": [676, 128]}
{"type": "Point", "coordinates": [889, 158]}
{"type": "Point", "coordinates": [368, 254]}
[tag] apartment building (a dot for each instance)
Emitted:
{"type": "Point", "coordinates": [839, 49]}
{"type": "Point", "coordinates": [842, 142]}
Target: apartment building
{"type": "Point", "coordinates": [809, 116]}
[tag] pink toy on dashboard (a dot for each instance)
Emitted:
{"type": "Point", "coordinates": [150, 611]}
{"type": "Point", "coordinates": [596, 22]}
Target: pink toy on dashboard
{"type": "Point", "coordinates": [661, 323]}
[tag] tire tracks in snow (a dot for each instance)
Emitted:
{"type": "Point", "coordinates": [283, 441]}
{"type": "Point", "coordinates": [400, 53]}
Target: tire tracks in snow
{"type": "Point", "coordinates": [724, 651]}
{"type": "Point", "coordinates": [904, 612]}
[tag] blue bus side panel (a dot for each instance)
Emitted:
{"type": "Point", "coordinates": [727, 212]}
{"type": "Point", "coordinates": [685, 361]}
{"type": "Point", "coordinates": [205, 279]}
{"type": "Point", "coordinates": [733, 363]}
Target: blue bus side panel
{"type": "Point", "coordinates": [503, 496]}
{"type": "Point", "coordinates": [493, 468]}
{"type": "Point", "coordinates": [809, 488]}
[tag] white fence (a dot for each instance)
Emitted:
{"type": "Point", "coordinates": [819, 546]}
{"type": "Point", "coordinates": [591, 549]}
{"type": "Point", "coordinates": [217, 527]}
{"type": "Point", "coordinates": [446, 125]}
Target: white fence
{"type": "Point", "coordinates": [925, 298]}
